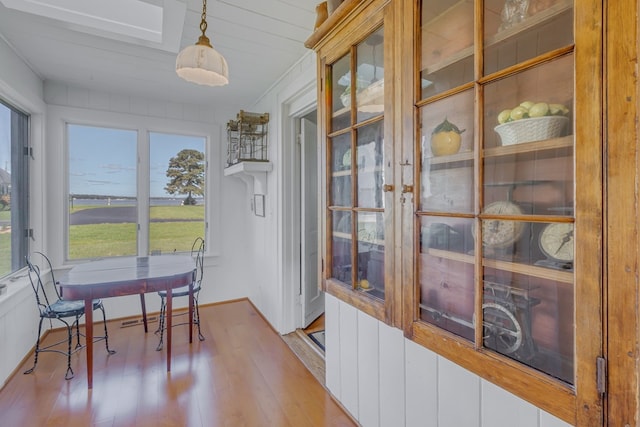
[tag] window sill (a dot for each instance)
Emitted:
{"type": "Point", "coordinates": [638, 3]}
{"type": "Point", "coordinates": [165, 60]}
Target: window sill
{"type": "Point", "coordinates": [17, 287]}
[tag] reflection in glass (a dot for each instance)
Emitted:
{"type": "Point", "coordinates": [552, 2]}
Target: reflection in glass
{"type": "Point", "coordinates": [371, 253]}
{"type": "Point", "coordinates": [446, 273]}
{"type": "Point", "coordinates": [340, 147]}
{"type": "Point", "coordinates": [447, 169]}
{"type": "Point", "coordinates": [370, 76]}
{"type": "Point", "coordinates": [341, 93]}
{"type": "Point", "coordinates": [369, 161]}
{"type": "Point", "coordinates": [510, 36]}
{"type": "Point", "coordinates": [530, 319]}
{"type": "Point", "coordinates": [447, 45]}
{"type": "Point", "coordinates": [341, 246]}
{"type": "Point", "coordinates": [528, 159]}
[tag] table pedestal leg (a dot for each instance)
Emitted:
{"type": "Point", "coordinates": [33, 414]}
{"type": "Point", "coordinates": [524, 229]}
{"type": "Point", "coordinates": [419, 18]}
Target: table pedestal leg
{"type": "Point", "coordinates": [191, 312]}
{"type": "Point", "coordinates": [168, 316]}
{"type": "Point", "coordinates": [88, 316]}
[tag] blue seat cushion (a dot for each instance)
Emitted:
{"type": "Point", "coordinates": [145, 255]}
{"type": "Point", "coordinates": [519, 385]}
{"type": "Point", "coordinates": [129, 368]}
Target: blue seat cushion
{"type": "Point", "coordinates": [64, 308]}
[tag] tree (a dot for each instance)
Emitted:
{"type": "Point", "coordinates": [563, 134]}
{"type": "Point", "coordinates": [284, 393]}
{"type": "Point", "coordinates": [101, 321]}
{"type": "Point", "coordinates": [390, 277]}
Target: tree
{"type": "Point", "coordinates": [186, 175]}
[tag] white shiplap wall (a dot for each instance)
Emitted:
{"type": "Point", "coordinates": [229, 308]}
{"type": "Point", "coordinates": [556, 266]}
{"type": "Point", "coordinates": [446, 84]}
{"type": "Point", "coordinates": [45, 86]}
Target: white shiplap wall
{"type": "Point", "coordinates": [386, 380]}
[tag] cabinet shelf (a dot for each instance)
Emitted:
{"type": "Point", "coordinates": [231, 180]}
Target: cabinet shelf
{"type": "Point", "coordinates": [506, 150]}
{"type": "Point", "coordinates": [526, 269]}
{"type": "Point", "coordinates": [453, 158]}
{"type": "Point", "coordinates": [347, 172]}
{"type": "Point", "coordinates": [503, 36]}
{"type": "Point", "coordinates": [347, 236]}
{"type": "Point", "coordinates": [528, 147]}
{"type": "Point", "coordinates": [371, 97]}
{"type": "Point", "coordinates": [530, 270]}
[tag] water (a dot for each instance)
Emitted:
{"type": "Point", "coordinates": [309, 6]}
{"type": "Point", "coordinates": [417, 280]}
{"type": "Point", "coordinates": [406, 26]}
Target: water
{"type": "Point", "coordinates": [154, 201]}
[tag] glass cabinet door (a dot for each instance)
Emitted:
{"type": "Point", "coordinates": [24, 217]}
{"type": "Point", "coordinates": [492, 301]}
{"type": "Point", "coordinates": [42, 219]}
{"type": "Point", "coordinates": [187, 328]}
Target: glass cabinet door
{"type": "Point", "coordinates": [495, 178]}
{"type": "Point", "coordinates": [355, 150]}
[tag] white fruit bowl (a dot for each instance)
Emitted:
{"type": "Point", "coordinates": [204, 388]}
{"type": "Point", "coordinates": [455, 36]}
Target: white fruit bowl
{"type": "Point", "coordinates": [529, 130]}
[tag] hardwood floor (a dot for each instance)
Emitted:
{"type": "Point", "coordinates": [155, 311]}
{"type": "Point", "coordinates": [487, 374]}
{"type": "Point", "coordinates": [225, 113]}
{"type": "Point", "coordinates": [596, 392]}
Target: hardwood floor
{"type": "Point", "coordinates": [243, 374]}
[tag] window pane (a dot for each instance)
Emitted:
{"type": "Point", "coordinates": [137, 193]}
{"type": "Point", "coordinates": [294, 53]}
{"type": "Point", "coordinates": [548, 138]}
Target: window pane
{"type": "Point", "coordinates": [341, 94]}
{"type": "Point", "coordinates": [341, 246]}
{"type": "Point", "coordinates": [517, 30]}
{"type": "Point", "coordinates": [528, 139]}
{"type": "Point", "coordinates": [447, 45]}
{"type": "Point", "coordinates": [528, 295]}
{"type": "Point", "coordinates": [14, 184]}
{"type": "Point", "coordinates": [102, 192]}
{"type": "Point", "coordinates": [370, 76]}
{"type": "Point", "coordinates": [371, 253]}
{"type": "Point", "coordinates": [446, 273]}
{"type": "Point", "coordinates": [177, 188]}
{"type": "Point", "coordinates": [446, 179]}
{"type": "Point", "coordinates": [369, 161]}
{"type": "Point", "coordinates": [341, 170]}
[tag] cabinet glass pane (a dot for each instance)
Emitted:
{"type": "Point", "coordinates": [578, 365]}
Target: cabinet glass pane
{"type": "Point", "coordinates": [341, 93]}
{"type": "Point", "coordinates": [517, 30]}
{"type": "Point", "coordinates": [446, 274]}
{"type": "Point", "coordinates": [528, 298]}
{"type": "Point", "coordinates": [370, 76]}
{"type": "Point", "coordinates": [446, 45]}
{"type": "Point", "coordinates": [528, 139]}
{"type": "Point", "coordinates": [371, 253]}
{"type": "Point", "coordinates": [446, 145]}
{"type": "Point", "coordinates": [369, 161]}
{"type": "Point", "coordinates": [340, 149]}
{"type": "Point", "coordinates": [341, 246]}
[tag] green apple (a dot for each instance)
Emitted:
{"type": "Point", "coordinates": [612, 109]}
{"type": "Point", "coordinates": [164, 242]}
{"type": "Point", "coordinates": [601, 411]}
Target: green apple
{"type": "Point", "coordinates": [527, 104]}
{"type": "Point", "coordinates": [519, 113]}
{"type": "Point", "coordinates": [539, 110]}
{"type": "Point", "coordinates": [503, 117]}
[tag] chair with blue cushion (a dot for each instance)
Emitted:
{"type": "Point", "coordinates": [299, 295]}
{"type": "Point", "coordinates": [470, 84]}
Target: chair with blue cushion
{"type": "Point", "coordinates": [51, 306]}
{"type": "Point", "coordinates": [197, 251]}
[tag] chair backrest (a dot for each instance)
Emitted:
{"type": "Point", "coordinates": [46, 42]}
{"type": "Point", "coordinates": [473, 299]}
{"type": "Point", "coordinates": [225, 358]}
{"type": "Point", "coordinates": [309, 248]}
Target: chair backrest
{"type": "Point", "coordinates": [43, 299]}
{"type": "Point", "coordinates": [197, 250]}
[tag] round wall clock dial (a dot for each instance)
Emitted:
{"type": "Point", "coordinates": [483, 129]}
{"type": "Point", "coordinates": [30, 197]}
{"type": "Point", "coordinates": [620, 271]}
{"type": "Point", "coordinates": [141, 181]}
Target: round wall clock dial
{"type": "Point", "coordinates": [498, 233]}
{"type": "Point", "coordinates": [556, 241]}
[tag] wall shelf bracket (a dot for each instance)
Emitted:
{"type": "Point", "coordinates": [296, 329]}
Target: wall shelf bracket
{"type": "Point", "coordinates": [253, 174]}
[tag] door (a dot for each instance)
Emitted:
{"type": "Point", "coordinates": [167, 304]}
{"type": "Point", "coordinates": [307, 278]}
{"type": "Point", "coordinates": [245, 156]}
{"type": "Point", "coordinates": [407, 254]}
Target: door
{"type": "Point", "coordinates": [312, 295]}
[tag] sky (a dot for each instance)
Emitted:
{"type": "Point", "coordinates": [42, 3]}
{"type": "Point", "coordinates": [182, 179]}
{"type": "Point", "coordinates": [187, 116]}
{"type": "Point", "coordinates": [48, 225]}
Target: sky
{"type": "Point", "coordinates": [102, 161]}
{"type": "Point", "coordinates": [5, 138]}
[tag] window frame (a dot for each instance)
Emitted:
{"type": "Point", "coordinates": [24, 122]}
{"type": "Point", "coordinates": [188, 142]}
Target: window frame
{"type": "Point", "coordinates": [60, 116]}
{"type": "Point", "coordinates": [20, 152]}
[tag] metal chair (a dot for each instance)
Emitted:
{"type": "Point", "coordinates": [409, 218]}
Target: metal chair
{"type": "Point", "coordinates": [197, 251]}
{"type": "Point", "coordinates": [68, 312]}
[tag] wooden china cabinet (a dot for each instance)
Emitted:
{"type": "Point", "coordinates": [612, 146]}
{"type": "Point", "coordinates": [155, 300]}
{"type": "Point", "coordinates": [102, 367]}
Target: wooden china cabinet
{"type": "Point", "coordinates": [462, 151]}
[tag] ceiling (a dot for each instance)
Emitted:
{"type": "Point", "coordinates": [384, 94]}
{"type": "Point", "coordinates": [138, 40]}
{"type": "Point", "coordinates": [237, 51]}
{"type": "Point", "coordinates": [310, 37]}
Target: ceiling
{"type": "Point", "coordinates": [84, 44]}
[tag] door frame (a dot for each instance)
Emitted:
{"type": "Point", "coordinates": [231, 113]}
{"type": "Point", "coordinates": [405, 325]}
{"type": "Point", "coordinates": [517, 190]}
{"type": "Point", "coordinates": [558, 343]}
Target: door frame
{"type": "Point", "coordinates": [293, 109]}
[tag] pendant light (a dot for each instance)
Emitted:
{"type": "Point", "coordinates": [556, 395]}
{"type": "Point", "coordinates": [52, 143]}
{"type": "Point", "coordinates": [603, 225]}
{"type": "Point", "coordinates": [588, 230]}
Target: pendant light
{"type": "Point", "coordinates": [201, 63]}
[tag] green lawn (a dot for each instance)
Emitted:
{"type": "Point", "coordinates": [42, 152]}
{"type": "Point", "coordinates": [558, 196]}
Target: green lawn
{"type": "Point", "coordinates": [104, 240]}
{"type": "Point", "coordinates": [5, 253]}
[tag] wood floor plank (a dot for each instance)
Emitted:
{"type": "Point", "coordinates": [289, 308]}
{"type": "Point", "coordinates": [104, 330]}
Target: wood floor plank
{"type": "Point", "coordinates": [243, 374]}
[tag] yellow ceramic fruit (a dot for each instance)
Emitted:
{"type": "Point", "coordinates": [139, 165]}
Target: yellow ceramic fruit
{"type": "Point", "coordinates": [446, 139]}
{"type": "Point", "coordinates": [364, 284]}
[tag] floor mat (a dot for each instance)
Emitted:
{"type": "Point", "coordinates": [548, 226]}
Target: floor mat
{"type": "Point", "coordinates": [318, 338]}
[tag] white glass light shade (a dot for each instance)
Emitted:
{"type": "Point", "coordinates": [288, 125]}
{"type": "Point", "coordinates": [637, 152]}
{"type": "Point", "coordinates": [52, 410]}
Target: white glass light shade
{"type": "Point", "coordinates": [203, 65]}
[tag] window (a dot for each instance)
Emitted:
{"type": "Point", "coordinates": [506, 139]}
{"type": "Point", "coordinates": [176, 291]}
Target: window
{"type": "Point", "coordinates": [109, 211]}
{"type": "Point", "coordinates": [14, 184]}
{"type": "Point", "coordinates": [102, 192]}
{"type": "Point", "coordinates": [176, 205]}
